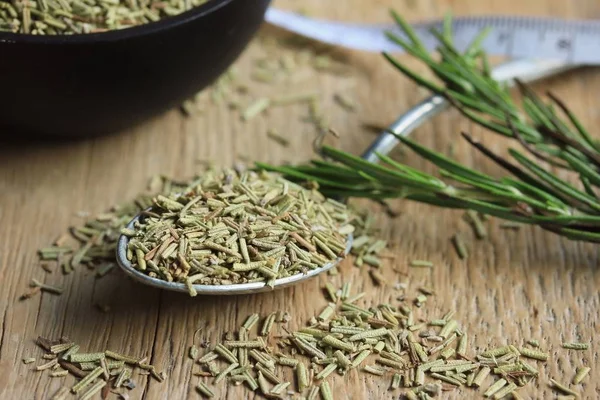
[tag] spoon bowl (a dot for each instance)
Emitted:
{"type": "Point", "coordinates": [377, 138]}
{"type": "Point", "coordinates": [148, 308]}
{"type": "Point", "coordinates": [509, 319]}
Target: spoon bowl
{"type": "Point", "coordinates": [233, 289]}
{"type": "Point", "coordinates": [90, 84]}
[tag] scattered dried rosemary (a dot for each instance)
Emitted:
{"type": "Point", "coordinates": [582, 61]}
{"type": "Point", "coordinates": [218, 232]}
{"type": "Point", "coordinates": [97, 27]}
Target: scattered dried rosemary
{"type": "Point", "coordinates": [233, 227]}
{"type": "Point", "coordinates": [366, 247]}
{"type": "Point", "coordinates": [345, 102]}
{"type": "Point", "coordinates": [67, 17]}
{"type": "Point", "coordinates": [423, 358]}
{"type": "Point", "coordinates": [95, 370]}
{"type": "Point", "coordinates": [285, 65]}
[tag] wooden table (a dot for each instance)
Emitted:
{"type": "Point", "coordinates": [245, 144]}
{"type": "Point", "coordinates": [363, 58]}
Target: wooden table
{"type": "Point", "coordinates": [515, 285]}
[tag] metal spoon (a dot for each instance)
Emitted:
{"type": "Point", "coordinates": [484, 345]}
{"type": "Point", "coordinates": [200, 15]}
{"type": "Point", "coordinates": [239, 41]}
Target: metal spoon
{"type": "Point", "coordinates": [525, 69]}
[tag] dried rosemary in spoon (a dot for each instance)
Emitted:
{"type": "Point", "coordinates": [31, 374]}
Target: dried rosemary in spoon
{"type": "Point", "coordinates": [232, 227]}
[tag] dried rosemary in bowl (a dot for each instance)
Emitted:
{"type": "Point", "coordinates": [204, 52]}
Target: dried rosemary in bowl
{"type": "Point", "coordinates": [232, 227]}
{"type": "Point", "coordinates": [67, 17]}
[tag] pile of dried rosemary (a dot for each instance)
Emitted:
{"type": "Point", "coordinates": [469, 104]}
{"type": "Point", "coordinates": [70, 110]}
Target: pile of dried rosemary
{"type": "Point", "coordinates": [94, 244]}
{"type": "Point", "coordinates": [422, 357]}
{"type": "Point", "coordinates": [98, 372]}
{"type": "Point", "coordinates": [233, 227]}
{"type": "Point", "coordinates": [67, 17]}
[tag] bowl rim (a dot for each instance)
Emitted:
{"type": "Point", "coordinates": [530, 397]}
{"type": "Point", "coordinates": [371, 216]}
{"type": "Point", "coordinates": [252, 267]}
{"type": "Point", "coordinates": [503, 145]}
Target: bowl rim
{"type": "Point", "coordinates": [119, 34]}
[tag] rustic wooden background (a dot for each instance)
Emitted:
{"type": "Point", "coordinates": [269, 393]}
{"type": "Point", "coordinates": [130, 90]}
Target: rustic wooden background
{"type": "Point", "coordinates": [515, 285]}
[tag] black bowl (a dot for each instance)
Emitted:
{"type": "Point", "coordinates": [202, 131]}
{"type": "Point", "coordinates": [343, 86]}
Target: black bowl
{"type": "Point", "coordinates": [84, 85]}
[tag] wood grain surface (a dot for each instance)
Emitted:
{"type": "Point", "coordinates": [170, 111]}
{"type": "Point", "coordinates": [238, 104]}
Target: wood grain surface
{"type": "Point", "coordinates": [515, 285]}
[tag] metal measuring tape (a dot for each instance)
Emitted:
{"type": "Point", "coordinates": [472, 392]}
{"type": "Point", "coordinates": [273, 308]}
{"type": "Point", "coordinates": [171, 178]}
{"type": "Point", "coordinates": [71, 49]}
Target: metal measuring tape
{"type": "Point", "coordinates": [569, 41]}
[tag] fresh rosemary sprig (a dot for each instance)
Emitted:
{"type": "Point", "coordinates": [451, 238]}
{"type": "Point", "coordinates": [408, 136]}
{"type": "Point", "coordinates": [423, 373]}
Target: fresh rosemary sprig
{"type": "Point", "coordinates": [548, 131]}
